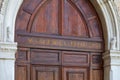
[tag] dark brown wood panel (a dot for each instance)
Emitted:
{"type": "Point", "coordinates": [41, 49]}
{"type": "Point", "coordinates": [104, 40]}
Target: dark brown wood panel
{"type": "Point", "coordinates": [45, 73]}
{"type": "Point", "coordinates": [21, 73]}
{"type": "Point", "coordinates": [95, 30]}
{"type": "Point", "coordinates": [46, 18]}
{"type": "Point", "coordinates": [97, 75]}
{"type": "Point", "coordinates": [31, 5]}
{"type": "Point", "coordinates": [90, 17]}
{"type": "Point", "coordinates": [22, 55]}
{"type": "Point", "coordinates": [23, 19]}
{"type": "Point", "coordinates": [45, 57]}
{"type": "Point", "coordinates": [75, 58]}
{"type": "Point", "coordinates": [96, 60]}
{"type": "Point", "coordinates": [59, 17]}
{"type": "Point", "coordinates": [73, 22]}
{"type": "Point", "coordinates": [74, 74]}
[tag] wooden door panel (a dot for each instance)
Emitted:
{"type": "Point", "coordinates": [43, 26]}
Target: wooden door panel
{"type": "Point", "coordinates": [73, 22]}
{"type": "Point", "coordinates": [75, 58]}
{"type": "Point", "coordinates": [45, 73]}
{"type": "Point", "coordinates": [97, 75]}
{"type": "Point", "coordinates": [31, 5]}
{"type": "Point", "coordinates": [45, 57]}
{"type": "Point", "coordinates": [64, 17]}
{"type": "Point", "coordinates": [75, 73]}
{"type": "Point", "coordinates": [95, 31]}
{"type": "Point", "coordinates": [96, 60]}
{"type": "Point", "coordinates": [21, 73]}
{"type": "Point", "coordinates": [23, 20]}
{"type": "Point", "coordinates": [46, 18]}
{"type": "Point", "coordinates": [90, 16]}
{"type": "Point", "coordinates": [22, 55]}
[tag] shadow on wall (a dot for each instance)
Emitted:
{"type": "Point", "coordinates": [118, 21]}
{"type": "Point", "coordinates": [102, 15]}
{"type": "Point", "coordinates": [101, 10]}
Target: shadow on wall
{"type": "Point", "coordinates": [1, 4]}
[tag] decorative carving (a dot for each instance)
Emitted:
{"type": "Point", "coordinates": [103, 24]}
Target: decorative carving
{"type": "Point", "coordinates": [111, 58]}
{"type": "Point", "coordinates": [118, 6]}
{"type": "Point", "coordinates": [4, 6]}
{"type": "Point", "coordinates": [9, 34]}
{"type": "Point", "coordinates": [8, 47]}
{"type": "Point", "coordinates": [113, 43]}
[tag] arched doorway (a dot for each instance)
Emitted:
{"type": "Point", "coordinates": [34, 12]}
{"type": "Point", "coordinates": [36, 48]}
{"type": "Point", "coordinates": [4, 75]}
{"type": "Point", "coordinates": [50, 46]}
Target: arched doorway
{"type": "Point", "coordinates": [58, 40]}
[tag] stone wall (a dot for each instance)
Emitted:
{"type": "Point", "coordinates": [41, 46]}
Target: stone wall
{"type": "Point", "coordinates": [1, 4]}
{"type": "Point", "coordinates": [118, 6]}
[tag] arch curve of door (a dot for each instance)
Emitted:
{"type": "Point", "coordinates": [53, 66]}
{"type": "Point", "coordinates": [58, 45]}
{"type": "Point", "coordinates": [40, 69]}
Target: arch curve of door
{"type": "Point", "coordinates": [67, 33]}
{"type": "Point", "coordinates": [85, 16]}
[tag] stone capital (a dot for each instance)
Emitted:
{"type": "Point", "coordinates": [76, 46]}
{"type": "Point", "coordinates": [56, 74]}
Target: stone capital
{"type": "Point", "coordinates": [7, 50]}
{"type": "Point", "coordinates": [111, 58]}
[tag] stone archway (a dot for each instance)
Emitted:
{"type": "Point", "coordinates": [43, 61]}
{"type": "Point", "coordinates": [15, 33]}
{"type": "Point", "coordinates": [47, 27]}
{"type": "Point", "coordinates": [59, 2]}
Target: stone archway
{"type": "Point", "coordinates": [110, 25]}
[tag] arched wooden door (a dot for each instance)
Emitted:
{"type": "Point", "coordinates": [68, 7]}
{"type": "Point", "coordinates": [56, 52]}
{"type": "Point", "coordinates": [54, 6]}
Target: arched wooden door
{"type": "Point", "coordinates": [58, 40]}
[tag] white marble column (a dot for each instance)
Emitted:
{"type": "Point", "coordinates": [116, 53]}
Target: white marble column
{"type": "Point", "coordinates": [7, 60]}
{"type": "Point", "coordinates": [111, 65]}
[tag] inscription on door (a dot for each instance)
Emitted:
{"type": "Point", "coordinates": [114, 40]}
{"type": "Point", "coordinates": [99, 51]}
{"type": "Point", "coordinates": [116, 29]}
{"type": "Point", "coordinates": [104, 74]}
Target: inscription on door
{"type": "Point", "coordinates": [57, 43]}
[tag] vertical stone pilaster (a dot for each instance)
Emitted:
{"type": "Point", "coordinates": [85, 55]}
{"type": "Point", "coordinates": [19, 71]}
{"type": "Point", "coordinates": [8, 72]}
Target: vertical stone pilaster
{"type": "Point", "coordinates": [7, 60]}
{"type": "Point", "coordinates": [111, 65]}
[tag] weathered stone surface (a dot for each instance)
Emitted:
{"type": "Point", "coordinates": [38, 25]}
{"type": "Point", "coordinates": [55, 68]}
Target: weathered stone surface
{"type": "Point", "coordinates": [118, 6]}
{"type": "Point", "coordinates": [1, 4]}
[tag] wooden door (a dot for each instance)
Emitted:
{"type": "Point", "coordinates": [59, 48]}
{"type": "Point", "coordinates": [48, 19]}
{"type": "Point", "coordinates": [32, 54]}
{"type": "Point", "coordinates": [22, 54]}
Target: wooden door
{"type": "Point", "coordinates": [58, 40]}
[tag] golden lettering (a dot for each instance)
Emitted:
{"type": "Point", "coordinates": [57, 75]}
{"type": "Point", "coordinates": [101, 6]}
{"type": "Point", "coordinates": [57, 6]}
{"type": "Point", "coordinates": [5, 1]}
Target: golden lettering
{"type": "Point", "coordinates": [30, 40]}
{"type": "Point", "coordinates": [64, 43]}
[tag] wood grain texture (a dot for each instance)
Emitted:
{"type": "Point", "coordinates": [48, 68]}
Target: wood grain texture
{"type": "Point", "coordinates": [45, 73]}
{"type": "Point", "coordinates": [46, 18]}
{"type": "Point", "coordinates": [74, 73]}
{"type": "Point", "coordinates": [97, 75]}
{"type": "Point", "coordinates": [58, 40]}
{"type": "Point", "coordinates": [75, 58]}
{"type": "Point", "coordinates": [21, 73]}
{"type": "Point", "coordinates": [59, 17]}
{"type": "Point", "coordinates": [73, 21]}
{"type": "Point", "coordinates": [45, 57]}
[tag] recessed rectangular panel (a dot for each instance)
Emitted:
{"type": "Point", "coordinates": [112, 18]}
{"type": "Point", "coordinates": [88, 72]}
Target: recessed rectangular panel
{"type": "Point", "coordinates": [97, 75]}
{"type": "Point", "coordinates": [21, 73]}
{"type": "Point", "coordinates": [46, 19]}
{"type": "Point", "coordinates": [73, 21]}
{"type": "Point", "coordinates": [96, 60]}
{"type": "Point", "coordinates": [75, 58]}
{"type": "Point", "coordinates": [45, 76]}
{"type": "Point", "coordinates": [22, 55]}
{"type": "Point", "coordinates": [75, 76]}
{"type": "Point", "coordinates": [45, 73]}
{"type": "Point", "coordinates": [45, 57]}
{"type": "Point", "coordinates": [72, 73]}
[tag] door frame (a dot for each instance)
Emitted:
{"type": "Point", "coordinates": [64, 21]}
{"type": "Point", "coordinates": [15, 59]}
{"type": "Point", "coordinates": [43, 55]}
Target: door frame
{"type": "Point", "coordinates": [104, 9]}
